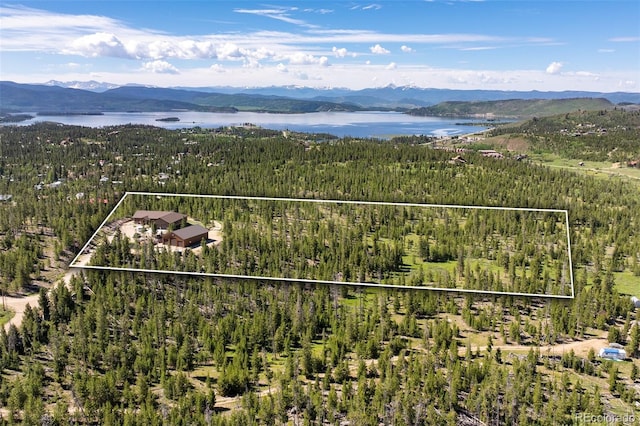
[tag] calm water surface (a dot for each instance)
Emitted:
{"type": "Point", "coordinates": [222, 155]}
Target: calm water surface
{"type": "Point", "coordinates": [356, 124]}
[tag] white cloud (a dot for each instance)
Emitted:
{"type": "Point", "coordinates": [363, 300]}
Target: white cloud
{"type": "Point", "coordinates": [372, 7]}
{"type": "Point", "coordinates": [585, 74]}
{"type": "Point", "coordinates": [606, 50]}
{"type": "Point", "coordinates": [217, 68]}
{"type": "Point", "coordinates": [282, 68]}
{"type": "Point", "coordinates": [300, 58]}
{"type": "Point", "coordinates": [406, 49]}
{"type": "Point", "coordinates": [229, 52]}
{"type": "Point", "coordinates": [478, 48]}
{"type": "Point", "coordinates": [342, 52]}
{"type": "Point", "coordinates": [160, 67]}
{"type": "Point", "coordinates": [624, 39]}
{"type": "Point", "coordinates": [391, 66]}
{"type": "Point", "coordinates": [281, 14]}
{"type": "Point", "coordinates": [320, 11]}
{"type": "Point", "coordinates": [378, 50]}
{"type": "Point", "coordinates": [554, 68]}
{"type": "Point", "coordinates": [99, 44]}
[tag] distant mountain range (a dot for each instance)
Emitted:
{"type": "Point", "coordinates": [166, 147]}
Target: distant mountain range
{"type": "Point", "coordinates": [92, 85]}
{"type": "Point", "coordinates": [16, 97]}
{"type": "Point", "coordinates": [92, 96]}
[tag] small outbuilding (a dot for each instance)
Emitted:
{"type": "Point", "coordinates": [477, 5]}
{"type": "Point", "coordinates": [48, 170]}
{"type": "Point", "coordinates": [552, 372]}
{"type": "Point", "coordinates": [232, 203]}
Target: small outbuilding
{"type": "Point", "coordinates": [186, 237]}
{"type": "Point", "coordinates": [613, 353]}
{"type": "Point", "coordinates": [635, 301]}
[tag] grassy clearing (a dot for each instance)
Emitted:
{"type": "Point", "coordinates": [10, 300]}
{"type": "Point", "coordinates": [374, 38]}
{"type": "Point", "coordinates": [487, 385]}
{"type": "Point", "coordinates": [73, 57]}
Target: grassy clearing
{"type": "Point", "coordinates": [5, 316]}
{"type": "Point", "coordinates": [596, 168]}
{"type": "Point", "coordinates": [627, 283]}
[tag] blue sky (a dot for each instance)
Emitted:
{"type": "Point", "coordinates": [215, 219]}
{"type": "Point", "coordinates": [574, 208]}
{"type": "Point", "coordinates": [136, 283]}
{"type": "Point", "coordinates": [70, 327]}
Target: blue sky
{"type": "Point", "coordinates": [504, 45]}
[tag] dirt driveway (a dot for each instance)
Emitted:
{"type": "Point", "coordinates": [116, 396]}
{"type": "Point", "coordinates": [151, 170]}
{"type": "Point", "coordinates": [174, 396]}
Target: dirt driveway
{"type": "Point", "coordinates": [19, 304]}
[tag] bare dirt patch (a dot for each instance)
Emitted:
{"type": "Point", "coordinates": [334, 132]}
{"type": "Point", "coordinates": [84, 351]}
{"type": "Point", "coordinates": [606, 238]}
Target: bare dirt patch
{"type": "Point", "coordinates": [511, 143]}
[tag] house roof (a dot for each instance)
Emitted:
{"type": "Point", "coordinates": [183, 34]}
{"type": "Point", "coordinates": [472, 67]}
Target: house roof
{"type": "Point", "coordinates": [173, 217]}
{"type": "Point", "coordinates": [190, 231]}
{"type": "Point", "coordinates": [148, 214]}
{"type": "Point", "coordinates": [169, 217]}
{"type": "Point", "coordinates": [616, 351]}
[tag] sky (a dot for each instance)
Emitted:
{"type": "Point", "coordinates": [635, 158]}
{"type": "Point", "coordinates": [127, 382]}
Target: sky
{"type": "Point", "coordinates": [500, 45]}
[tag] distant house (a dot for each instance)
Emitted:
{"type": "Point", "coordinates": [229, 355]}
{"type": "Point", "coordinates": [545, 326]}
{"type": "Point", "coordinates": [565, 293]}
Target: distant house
{"type": "Point", "coordinates": [635, 301]}
{"type": "Point", "coordinates": [6, 197]}
{"type": "Point", "coordinates": [458, 160]}
{"type": "Point", "coordinates": [613, 353]}
{"type": "Point", "coordinates": [186, 236]}
{"type": "Point", "coordinates": [161, 219]}
{"type": "Point", "coordinates": [490, 153]}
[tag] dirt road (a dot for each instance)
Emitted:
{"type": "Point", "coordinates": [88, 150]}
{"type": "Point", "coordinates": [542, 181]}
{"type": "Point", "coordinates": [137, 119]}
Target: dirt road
{"type": "Point", "coordinates": [19, 304]}
{"type": "Point", "coordinates": [579, 347]}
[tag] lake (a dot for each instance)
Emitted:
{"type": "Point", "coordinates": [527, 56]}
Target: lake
{"type": "Point", "coordinates": [374, 124]}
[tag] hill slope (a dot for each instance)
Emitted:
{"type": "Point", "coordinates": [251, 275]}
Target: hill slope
{"type": "Point", "coordinates": [513, 107]}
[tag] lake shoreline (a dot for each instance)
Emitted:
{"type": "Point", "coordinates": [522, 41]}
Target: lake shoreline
{"type": "Point", "coordinates": [367, 124]}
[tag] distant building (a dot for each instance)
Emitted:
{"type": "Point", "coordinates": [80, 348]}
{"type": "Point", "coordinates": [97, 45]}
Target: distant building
{"type": "Point", "coordinates": [186, 236]}
{"type": "Point", "coordinates": [6, 197]}
{"type": "Point", "coordinates": [490, 153]}
{"type": "Point", "coordinates": [458, 160]}
{"type": "Point", "coordinates": [636, 302]}
{"type": "Point", "coordinates": [613, 353]}
{"type": "Point", "coordinates": [161, 219]}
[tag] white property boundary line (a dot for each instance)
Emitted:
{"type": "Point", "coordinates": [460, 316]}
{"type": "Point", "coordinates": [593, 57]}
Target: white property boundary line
{"type": "Point", "coordinates": [302, 280]}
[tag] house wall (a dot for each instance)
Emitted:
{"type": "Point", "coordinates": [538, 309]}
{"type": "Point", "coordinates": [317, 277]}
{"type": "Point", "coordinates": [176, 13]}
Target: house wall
{"type": "Point", "coordinates": [194, 240]}
{"type": "Point", "coordinates": [161, 224]}
{"type": "Point", "coordinates": [172, 240]}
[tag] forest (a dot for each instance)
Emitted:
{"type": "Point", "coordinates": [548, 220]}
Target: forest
{"type": "Point", "coordinates": [390, 244]}
{"type": "Point", "coordinates": [117, 347]}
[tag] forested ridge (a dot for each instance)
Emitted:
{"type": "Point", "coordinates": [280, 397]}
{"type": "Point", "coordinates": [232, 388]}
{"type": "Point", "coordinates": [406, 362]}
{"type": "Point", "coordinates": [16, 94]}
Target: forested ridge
{"type": "Point", "coordinates": [125, 348]}
{"type": "Point", "coordinates": [512, 107]}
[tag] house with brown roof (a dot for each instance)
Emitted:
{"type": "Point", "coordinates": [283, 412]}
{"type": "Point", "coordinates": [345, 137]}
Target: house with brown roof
{"type": "Point", "coordinates": [161, 219]}
{"type": "Point", "coordinates": [186, 237]}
